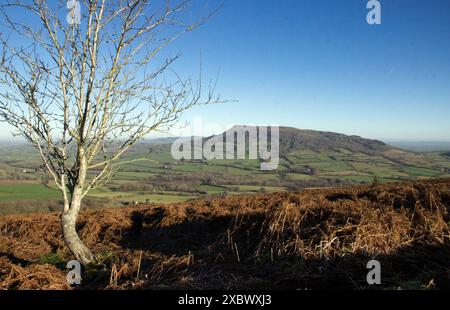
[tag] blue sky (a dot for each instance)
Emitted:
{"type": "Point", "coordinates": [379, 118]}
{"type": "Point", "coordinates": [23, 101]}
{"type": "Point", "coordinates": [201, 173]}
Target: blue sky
{"type": "Point", "coordinates": [317, 64]}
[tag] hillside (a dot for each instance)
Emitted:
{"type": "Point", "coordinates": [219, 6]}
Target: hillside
{"type": "Point", "coordinates": [292, 139]}
{"type": "Point", "coordinates": [313, 239]}
{"type": "Point", "coordinates": [308, 159]}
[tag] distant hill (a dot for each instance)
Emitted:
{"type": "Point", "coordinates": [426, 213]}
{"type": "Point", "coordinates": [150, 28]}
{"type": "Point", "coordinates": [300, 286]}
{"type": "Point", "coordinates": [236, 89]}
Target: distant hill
{"type": "Point", "coordinates": [308, 159]}
{"type": "Point", "coordinates": [165, 140]}
{"type": "Point", "coordinates": [422, 146]}
{"type": "Point", "coordinates": [292, 139]}
{"type": "Point", "coordinates": [300, 139]}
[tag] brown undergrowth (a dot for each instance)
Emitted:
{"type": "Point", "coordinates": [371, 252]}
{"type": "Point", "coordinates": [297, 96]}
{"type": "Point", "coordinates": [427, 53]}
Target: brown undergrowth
{"type": "Point", "coordinates": [313, 239]}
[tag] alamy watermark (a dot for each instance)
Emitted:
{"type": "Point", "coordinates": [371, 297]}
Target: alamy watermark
{"type": "Point", "coordinates": [239, 142]}
{"type": "Point", "coordinates": [374, 275]}
{"type": "Point", "coordinates": [74, 275]}
{"type": "Point", "coordinates": [374, 15]}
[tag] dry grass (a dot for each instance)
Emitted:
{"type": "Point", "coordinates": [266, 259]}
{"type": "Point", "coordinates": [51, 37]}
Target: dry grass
{"type": "Point", "coordinates": [312, 239]}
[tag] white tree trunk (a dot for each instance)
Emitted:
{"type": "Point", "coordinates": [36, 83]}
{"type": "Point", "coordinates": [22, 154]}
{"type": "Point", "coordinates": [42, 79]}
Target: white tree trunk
{"type": "Point", "coordinates": [71, 238]}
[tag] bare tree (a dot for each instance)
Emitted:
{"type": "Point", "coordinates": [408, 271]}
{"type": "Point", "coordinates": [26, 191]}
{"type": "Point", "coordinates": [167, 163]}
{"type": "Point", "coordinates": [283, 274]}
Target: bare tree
{"type": "Point", "coordinates": [84, 90]}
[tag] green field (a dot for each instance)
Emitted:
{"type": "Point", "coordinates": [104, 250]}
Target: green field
{"type": "Point", "coordinates": [144, 197]}
{"type": "Point", "coordinates": [269, 189]}
{"type": "Point", "coordinates": [154, 177]}
{"type": "Point", "coordinates": [25, 191]}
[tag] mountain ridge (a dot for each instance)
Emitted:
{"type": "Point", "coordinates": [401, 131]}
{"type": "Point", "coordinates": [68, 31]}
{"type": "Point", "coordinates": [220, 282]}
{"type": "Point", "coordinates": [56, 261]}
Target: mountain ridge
{"type": "Point", "coordinates": [307, 139]}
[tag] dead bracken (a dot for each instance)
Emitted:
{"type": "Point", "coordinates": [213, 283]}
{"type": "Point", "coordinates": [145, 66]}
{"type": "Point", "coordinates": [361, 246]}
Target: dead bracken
{"type": "Point", "coordinates": [312, 239]}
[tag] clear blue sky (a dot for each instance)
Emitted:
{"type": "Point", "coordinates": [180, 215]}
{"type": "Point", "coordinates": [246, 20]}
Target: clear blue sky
{"type": "Point", "coordinates": [317, 64]}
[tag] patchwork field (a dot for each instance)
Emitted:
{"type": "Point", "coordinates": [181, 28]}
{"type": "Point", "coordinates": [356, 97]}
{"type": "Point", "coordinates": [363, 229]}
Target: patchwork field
{"type": "Point", "coordinates": [308, 159]}
{"type": "Point", "coordinates": [230, 177]}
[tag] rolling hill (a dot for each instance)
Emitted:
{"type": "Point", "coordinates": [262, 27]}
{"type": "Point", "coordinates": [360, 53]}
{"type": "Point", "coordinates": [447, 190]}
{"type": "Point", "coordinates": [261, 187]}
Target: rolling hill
{"type": "Point", "coordinates": [308, 159]}
{"type": "Point", "coordinates": [292, 139]}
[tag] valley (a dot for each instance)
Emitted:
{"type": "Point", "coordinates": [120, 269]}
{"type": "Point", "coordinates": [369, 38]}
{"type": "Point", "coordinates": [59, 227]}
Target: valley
{"type": "Point", "coordinates": [308, 159]}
